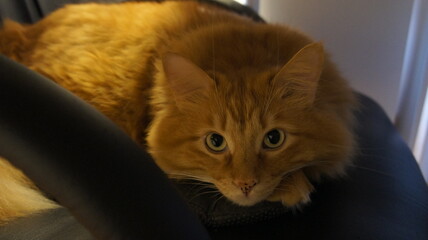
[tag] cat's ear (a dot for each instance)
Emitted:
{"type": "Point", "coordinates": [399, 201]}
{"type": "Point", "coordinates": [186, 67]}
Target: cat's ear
{"type": "Point", "coordinates": [188, 82]}
{"type": "Point", "coordinates": [301, 73]}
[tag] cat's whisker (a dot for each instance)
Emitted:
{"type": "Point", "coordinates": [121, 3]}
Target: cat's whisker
{"type": "Point", "coordinates": [357, 148]}
{"type": "Point", "coordinates": [204, 193]}
{"type": "Point", "coordinates": [188, 176]}
{"type": "Point", "coordinates": [197, 186]}
{"type": "Point", "coordinates": [196, 192]}
{"type": "Point", "coordinates": [282, 189]}
{"type": "Point", "coordinates": [370, 155]}
{"type": "Point", "coordinates": [371, 170]}
{"type": "Point", "coordinates": [205, 186]}
{"type": "Point", "coordinates": [221, 196]}
{"type": "Point", "coordinates": [336, 145]}
{"type": "Point", "coordinates": [200, 185]}
{"type": "Point", "coordinates": [192, 181]}
{"type": "Point", "coordinates": [298, 167]}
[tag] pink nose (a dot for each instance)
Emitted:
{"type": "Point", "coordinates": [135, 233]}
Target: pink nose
{"type": "Point", "coordinates": [245, 186]}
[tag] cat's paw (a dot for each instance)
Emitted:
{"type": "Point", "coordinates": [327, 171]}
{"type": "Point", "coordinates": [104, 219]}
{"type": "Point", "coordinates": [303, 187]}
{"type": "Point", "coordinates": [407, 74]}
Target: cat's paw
{"type": "Point", "coordinates": [293, 191]}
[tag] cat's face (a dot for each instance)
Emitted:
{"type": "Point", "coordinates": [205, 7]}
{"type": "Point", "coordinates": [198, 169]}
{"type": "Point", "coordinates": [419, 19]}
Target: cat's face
{"type": "Point", "coordinates": [244, 131]}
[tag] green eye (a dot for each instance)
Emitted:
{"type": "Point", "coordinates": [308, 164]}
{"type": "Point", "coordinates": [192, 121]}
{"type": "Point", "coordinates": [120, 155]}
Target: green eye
{"type": "Point", "coordinates": [215, 142]}
{"type": "Point", "coordinates": [273, 139]}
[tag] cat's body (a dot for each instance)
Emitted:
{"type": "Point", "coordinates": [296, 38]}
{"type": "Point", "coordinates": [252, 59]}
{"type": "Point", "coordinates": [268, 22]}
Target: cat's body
{"type": "Point", "coordinates": [212, 95]}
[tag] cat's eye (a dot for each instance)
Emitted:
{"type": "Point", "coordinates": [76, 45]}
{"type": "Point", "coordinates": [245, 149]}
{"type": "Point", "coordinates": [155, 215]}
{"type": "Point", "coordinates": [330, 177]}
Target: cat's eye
{"type": "Point", "coordinates": [215, 142]}
{"type": "Point", "coordinates": [273, 139]}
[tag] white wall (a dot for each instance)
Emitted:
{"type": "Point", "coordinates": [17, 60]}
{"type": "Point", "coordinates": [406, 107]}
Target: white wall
{"type": "Point", "coordinates": [366, 38]}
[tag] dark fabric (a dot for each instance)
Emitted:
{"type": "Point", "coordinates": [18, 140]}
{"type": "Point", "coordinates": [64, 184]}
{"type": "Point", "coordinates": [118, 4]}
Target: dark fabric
{"type": "Point", "coordinates": [25, 11]}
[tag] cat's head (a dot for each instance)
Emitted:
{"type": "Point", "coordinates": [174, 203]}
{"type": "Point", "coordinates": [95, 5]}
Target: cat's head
{"type": "Point", "coordinates": [244, 131]}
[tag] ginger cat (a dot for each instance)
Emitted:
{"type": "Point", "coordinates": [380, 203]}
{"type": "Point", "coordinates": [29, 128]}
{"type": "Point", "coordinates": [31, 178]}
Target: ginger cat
{"type": "Point", "coordinates": [257, 110]}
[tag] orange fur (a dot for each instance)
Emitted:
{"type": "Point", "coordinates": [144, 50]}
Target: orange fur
{"type": "Point", "coordinates": [171, 73]}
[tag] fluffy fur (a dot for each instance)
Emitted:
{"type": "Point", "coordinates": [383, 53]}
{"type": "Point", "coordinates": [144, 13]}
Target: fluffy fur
{"type": "Point", "coordinates": [171, 73]}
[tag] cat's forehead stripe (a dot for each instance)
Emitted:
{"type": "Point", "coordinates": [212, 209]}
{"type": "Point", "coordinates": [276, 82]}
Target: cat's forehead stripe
{"type": "Point", "coordinates": [243, 101]}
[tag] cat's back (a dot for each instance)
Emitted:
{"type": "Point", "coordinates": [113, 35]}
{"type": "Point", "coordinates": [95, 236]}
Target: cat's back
{"type": "Point", "coordinates": [135, 27]}
{"type": "Point", "coordinates": [104, 41]}
{"type": "Point", "coordinates": [72, 27]}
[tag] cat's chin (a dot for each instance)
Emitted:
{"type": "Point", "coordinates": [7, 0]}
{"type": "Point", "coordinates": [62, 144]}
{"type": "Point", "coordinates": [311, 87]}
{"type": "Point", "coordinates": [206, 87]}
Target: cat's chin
{"type": "Point", "coordinates": [245, 201]}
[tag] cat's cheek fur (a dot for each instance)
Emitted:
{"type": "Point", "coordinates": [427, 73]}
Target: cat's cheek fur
{"type": "Point", "coordinates": [176, 150]}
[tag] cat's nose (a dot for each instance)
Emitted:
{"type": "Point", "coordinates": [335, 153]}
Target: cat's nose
{"type": "Point", "coordinates": [245, 186]}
